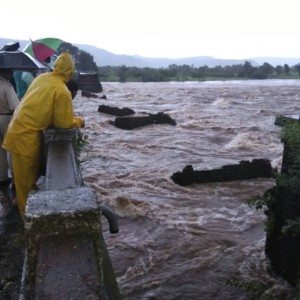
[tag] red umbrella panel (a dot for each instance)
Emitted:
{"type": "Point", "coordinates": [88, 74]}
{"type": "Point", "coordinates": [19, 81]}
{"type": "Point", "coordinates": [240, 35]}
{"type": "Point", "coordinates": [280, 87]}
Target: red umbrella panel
{"type": "Point", "coordinates": [41, 51]}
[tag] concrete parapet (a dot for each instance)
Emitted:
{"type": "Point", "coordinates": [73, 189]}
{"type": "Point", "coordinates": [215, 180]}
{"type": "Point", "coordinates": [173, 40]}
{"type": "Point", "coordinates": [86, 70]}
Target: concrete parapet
{"type": "Point", "coordinates": [62, 166]}
{"type": "Point", "coordinates": [66, 255]}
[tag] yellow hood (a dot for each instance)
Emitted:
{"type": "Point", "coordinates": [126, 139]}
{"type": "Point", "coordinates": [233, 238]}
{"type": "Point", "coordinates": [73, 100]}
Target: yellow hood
{"type": "Point", "coordinates": [64, 66]}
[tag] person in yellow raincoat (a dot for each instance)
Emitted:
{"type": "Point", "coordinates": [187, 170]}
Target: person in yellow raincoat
{"type": "Point", "coordinates": [47, 102]}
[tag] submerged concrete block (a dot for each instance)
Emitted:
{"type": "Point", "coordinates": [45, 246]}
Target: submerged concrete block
{"type": "Point", "coordinates": [257, 168]}
{"type": "Point", "coordinates": [115, 111]}
{"type": "Point", "coordinates": [136, 122]}
{"type": "Point", "coordinates": [88, 94]}
{"type": "Point", "coordinates": [90, 82]}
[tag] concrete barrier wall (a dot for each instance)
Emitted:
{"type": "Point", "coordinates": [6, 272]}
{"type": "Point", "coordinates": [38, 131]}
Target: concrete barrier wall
{"type": "Point", "coordinates": [66, 256]}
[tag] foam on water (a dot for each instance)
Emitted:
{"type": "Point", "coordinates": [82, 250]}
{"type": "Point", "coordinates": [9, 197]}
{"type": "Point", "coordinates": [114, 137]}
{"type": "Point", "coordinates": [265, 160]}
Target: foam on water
{"type": "Point", "coordinates": [245, 141]}
{"type": "Point", "coordinates": [181, 242]}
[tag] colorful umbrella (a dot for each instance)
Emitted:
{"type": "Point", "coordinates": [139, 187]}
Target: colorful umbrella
{"type": "Point", "coordinates": [18, 60]}
{"type": "Point", "coordinates": [43, 48]}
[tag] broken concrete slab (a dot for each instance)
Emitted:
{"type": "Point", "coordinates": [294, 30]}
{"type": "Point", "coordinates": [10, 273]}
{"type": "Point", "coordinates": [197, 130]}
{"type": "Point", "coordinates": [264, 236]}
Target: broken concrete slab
{"type": "Point", "coordinates": [88, 94]}
{"type": "Point", "coordinates": [136, 122]}
{"type": "Point", "coordinates": [115, 111]}
{"type": "Point", "coordinates": [257, 168]}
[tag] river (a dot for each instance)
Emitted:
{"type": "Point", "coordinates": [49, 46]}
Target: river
{"type": "Point", "coordinates": [186, 242]}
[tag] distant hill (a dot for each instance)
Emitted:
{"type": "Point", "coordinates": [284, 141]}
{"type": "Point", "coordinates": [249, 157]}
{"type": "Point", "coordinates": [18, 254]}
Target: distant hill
{"type": "Point", "coordinates": [105, 58]}
{"type": "Point", "coordinates": [275, 61]}
{"type": "Point", "coordinates": [5, 41]}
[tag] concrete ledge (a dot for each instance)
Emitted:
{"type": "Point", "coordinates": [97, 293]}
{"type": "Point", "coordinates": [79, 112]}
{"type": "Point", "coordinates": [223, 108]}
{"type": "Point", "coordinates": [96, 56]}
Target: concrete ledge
{"type": "Point", "coordinates": [62, 169]}
{"type": "Point", "coordinates": [60, 208]}
{"type": "Point", "coordinates": [62, 201]}
{"type": "Point", "coordinates": [59, 134]}
{"type": "Point", "coordinates": [73, 216]}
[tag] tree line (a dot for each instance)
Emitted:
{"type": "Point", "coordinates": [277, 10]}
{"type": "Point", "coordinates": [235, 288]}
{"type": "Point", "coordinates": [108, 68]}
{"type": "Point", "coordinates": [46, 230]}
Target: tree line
{"type": "Point", "coordinates": [85, 63]}
{"type": "Point", "coordinates": [190, 73]}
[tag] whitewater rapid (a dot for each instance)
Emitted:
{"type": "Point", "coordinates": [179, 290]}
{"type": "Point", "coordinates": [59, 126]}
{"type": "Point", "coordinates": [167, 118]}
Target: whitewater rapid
{"type": "Point", "coordinates": [186, 242]}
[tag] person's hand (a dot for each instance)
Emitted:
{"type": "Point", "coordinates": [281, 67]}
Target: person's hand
{"type": "Point", "coordinates": [82, 123]}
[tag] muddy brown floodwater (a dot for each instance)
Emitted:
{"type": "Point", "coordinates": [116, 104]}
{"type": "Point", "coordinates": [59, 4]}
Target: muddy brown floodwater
{"type": "Point", "coordinates": [187, 242]}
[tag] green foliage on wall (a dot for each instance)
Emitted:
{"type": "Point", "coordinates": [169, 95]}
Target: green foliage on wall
{"type": "Point", "coordinates": [282, 207]}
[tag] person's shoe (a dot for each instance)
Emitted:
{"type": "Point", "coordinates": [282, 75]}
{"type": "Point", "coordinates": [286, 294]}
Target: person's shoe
{"type": "Point", "coordinates": [14, 202]}
{"type": "Point", "coordinates": [5, 183]}
{"type": "Point", "coordinates": [12, 187]}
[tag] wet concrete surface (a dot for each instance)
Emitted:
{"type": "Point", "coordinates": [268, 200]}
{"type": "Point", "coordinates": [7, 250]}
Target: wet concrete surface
{"type": "Point", "coordinates": [66, 268]}
{"type": "Point", "coordinates": [12, 250]}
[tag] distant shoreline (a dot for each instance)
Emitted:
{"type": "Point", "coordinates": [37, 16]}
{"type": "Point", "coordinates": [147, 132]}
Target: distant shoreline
{"type": "Point", "coordinates": [209, 80]}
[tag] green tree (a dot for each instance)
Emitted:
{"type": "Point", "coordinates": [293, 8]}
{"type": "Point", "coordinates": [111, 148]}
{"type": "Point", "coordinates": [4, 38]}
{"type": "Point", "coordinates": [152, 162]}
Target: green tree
{"type": "Point", "coordinates": [279, 70]}
{"type": "Point", "coordinates": [297, 68]}
{"type": "Point", "coordinates": [84, 61]}
{"type": "Point", "coordinates": [184, 72]}
{"type": "Point", "coordinates": [286, 69]}
{"type": "Point", "coordinates": [122, 73]}
{"type": "Point", "coordinates": [247, 70]}
{"type": "Point", "coordinates": [267, 69]}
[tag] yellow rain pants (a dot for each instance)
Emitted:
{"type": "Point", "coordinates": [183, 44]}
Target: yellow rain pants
{"type": "Point", "coordinates": [47, 103]}
{"type": "Point", "coordinates": [25, 176]}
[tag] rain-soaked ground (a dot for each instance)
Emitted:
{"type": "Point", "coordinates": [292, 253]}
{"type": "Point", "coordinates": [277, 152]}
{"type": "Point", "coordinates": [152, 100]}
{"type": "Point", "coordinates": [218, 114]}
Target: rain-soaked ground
{"type": "Point", "coordinates": [12, 245]}
{"type": "Point", "coordinates": [193, 242]}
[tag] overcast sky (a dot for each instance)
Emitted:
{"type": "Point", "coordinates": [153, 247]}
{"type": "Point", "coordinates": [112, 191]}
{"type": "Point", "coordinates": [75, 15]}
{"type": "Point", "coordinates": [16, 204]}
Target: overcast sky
{"type": "Point", "coordinates": [161, 28]}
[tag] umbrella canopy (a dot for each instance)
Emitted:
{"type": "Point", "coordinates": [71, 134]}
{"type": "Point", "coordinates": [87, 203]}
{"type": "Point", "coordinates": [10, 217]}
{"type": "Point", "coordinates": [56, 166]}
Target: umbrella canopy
{"type": "Point", "coordinates": [18, 60]}
{"type": "Point", "coordinates": [42, 49]}
{"type": "Point", "coordinates": [13, 46]}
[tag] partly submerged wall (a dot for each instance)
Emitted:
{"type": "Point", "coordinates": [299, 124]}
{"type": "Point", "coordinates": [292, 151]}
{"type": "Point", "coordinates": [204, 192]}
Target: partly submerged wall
{"type": "Point", "coordinates": [283, 211]}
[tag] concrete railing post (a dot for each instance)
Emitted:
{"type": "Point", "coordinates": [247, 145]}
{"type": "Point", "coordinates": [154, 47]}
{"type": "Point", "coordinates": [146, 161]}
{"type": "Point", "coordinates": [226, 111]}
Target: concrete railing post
{"type": "Point", "coordinates": [66, 252]}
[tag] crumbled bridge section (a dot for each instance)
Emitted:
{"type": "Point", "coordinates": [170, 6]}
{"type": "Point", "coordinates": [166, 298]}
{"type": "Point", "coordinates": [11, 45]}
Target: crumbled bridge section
{"type": "Point", "coordinates": [257, 168]}
{"type": "Point", "coordinates": [66, 256]}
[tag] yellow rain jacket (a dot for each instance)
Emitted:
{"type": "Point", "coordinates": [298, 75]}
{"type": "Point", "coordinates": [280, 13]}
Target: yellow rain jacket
{"type": "Point", "coordinates": [47, 102]}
